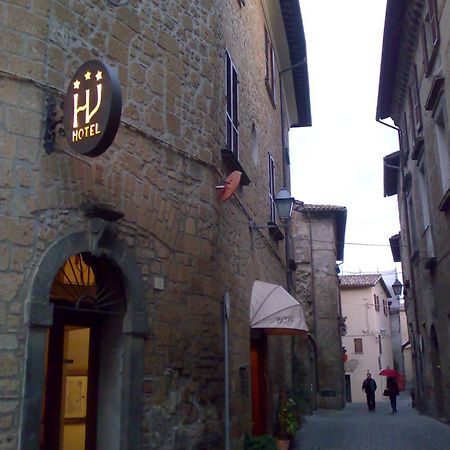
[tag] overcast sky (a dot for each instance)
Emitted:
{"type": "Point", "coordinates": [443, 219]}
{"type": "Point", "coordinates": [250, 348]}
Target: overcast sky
{"type": "Point", "coordinates": [339, 160]}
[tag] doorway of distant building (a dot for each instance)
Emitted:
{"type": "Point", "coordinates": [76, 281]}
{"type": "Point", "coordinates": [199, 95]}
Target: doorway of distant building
{"type": "Point", "coordinates": [348, 388]}
{"type": "Point", "coordinates": [84, 355]}
{"type": "Point", "coordinates": [258, 355]}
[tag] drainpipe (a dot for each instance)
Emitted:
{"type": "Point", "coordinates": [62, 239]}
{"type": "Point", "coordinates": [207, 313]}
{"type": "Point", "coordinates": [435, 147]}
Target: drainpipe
{"type": "Point", "coordinates": [226, 315]}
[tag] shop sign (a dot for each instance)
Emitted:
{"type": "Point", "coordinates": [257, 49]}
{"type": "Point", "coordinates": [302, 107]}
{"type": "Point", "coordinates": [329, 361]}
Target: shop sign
{"type": "Point", "coordinates": [92, 109]}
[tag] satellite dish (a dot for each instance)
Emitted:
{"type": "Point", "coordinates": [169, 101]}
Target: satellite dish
{"type": "Point", "coordinates": [230, 185]}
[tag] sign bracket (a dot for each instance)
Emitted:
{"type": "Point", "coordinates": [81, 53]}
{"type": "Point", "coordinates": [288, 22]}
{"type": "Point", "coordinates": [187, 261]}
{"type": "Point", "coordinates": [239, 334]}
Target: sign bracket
{"type": "Point", "coordinates": [54, 118]}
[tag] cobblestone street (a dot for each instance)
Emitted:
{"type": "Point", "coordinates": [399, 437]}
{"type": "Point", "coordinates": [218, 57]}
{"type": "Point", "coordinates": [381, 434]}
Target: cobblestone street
{"type": "Point", "coordinates": [354, 428]}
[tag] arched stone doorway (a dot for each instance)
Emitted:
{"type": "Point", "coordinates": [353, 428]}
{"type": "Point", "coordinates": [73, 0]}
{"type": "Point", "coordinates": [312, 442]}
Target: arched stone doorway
{"type": "Point", "coordinates": [104, 310]}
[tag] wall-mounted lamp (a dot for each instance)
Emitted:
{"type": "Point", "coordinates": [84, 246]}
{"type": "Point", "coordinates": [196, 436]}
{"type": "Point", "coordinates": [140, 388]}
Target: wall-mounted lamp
{"type": "Point", "coordinates": [397, 288]}
{"type": "Point", "coordinates": [284, 203]}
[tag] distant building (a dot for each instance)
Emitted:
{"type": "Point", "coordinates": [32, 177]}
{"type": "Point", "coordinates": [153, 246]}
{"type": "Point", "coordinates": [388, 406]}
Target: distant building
{"type": "Point", "coordinates": [318, 237]}
{"type": "Point", "coordinates": [414, 92]}
{"type": "Point", "coordinates": [396, 333]}
{"type": "Point", "coordinates": [368, 341]}
{"type": "Point", "coordinates": [408, 368]}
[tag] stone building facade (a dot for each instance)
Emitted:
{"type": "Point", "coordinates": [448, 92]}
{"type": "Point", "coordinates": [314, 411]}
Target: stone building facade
{"type": "Point", "coordinates": [131, 252]}
{"type": "Point", "coordinates": [369, 338]}
{"type": "Point", "coordinates": [414, 92]}
{"type": "Point", "coordinates": [318, 239]}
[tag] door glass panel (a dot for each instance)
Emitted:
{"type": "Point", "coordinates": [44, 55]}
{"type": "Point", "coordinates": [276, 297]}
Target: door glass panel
{"type": "Point", "coordinates": [75, 384]}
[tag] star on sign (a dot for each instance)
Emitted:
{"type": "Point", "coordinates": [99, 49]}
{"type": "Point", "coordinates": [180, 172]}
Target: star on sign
{"type": "Point", "coordinates": [76, 84]}
{"type": "Point", "coordinates": [87, 75]}
{"type": "Point", "coordinates": [98, 76]}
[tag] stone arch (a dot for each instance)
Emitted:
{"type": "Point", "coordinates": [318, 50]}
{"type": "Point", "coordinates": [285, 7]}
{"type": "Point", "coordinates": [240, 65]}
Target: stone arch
{"type": "Point", "coordinates": [39, 317]}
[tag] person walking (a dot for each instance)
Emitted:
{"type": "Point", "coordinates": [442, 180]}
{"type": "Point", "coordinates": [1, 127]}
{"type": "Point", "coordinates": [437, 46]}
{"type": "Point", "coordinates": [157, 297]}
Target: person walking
{"type": "Point", "coordinates": [393, 391]}
{"type": "Point", "coordinates": [370, 386]}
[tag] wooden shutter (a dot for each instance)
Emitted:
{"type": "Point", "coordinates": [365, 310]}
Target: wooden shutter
{"type": "Point", "coordinates": [415, 102]}
{"type": "Point", "coordinates": [267, 52]}
{"type": "Point", "coordinates": [358, 345]}
{"type": "Point", "coordinates": [232, 106]}
{"type": "Point", "coordinates": [271, 175]}
{"type": "Point", "coordinates": [434, 21]}
{"type": "Point", "coordinates": [235, 114]}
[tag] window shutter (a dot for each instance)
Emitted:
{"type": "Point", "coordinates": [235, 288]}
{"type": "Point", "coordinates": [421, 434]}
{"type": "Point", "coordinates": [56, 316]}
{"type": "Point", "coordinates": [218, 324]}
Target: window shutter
{"type": "Point", "coordinates": [267, 49]}
{"type": "Point", "coordinates": [425, 55]}
{"type": "Point", "coordinates": [232, 106]}
{"type": "Point", "coordinates": [415, 101]}
{"type": "Point", "coordinates": [271, 175]}
{"type": "Point", "coordinates": [229, 103]}
{"type": "Point", "coordinates": [404, 139]}
{"type": "Point", "coordinates": [235, 114]}
{"type": "Point", "coordinates": [434, 21]}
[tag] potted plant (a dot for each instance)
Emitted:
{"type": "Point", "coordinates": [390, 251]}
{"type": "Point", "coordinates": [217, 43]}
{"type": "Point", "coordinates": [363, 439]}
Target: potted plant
{"type": "Point", "coordinates": [262, 442]}
{"type": "Point", "coordinates": [287, 423]}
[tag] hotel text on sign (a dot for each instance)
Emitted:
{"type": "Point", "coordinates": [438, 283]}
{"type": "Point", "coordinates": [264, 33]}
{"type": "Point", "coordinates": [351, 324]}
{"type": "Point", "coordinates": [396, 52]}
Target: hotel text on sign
{"type": "Point", "coordinates": [92, 109]}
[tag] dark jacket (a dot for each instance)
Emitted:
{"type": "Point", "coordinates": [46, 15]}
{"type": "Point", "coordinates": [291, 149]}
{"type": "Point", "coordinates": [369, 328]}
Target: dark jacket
{"type": "Point", "coordinates": [369, 385]}
{"type": "Point", "coordinates": [392, 386]}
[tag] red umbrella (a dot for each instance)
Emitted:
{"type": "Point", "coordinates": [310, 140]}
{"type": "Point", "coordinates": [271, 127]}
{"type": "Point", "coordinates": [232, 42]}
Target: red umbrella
{"type": "Point", "coordinates": [389, 373]}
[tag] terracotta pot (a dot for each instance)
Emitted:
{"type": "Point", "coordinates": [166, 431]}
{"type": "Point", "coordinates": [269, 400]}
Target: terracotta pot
{"type": "Point", "coordinates": [283, 444]}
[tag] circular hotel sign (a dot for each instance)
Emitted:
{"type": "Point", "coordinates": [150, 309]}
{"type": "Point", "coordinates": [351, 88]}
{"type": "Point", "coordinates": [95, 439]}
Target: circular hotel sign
{"type": "Point", "coordinates": [92, 109]}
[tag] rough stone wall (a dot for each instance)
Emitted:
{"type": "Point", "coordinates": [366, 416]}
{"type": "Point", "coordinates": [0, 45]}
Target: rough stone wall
{"type": "Point", "coordinates": [317, 290]}
{"type": "Point", "coordinates": [161, 173]}
{"type": "Point", "coordinates": [426, 290]}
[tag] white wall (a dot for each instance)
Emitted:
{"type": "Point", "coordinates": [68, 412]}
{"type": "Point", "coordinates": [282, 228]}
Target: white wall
{"type": "Point", "coordinates": [366, 323]}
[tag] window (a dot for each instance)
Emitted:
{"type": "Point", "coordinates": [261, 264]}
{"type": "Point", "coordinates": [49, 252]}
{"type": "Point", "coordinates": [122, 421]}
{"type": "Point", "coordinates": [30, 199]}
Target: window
{"type": "Point", "coordinates": [415, 103]}
{"type": "Point", "coordinates": [358, 345]}
{"type": "Point", "coordinates": [376, 302]}
{"type": "Point", "coordinates": [430, 36]}
{"type": "Point", "coordinates": [232, 108]}
{"type": "Point", "coordinates": [271, 176]}
{"type": "Point", "coordinates": [270, 68]}
{"type": "Point", "coordinates": [385, 308]}
{"type": "Point", "coordinates": [380, 347]}
{"type": "Point", "coordinates": [443, 149]}
{"type": "Point", "coordinates": [412, 228]}
{"type": "Point", "coordinates": [425, 208]}
{"type": "Point", "coordinates": [404, 140]}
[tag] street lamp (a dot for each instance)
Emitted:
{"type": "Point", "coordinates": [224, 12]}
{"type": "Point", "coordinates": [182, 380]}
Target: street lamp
{"type": "Point", "coordinates": [397, 288]}
{"type": "Point", "coordinates": [284, 203]}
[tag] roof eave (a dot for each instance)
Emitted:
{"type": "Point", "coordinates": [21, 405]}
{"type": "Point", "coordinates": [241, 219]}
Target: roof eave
{"type": "Point", "coordinates": [393, 25]}
{"type": "Point", "coordinates": [295, 35]}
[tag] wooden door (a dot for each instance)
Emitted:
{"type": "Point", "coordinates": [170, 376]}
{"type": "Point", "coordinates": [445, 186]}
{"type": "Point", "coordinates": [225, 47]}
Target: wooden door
{"type": "Point", "coordinates": [259, 387]}
{"type": "Point", "coordinates": [58, 416]}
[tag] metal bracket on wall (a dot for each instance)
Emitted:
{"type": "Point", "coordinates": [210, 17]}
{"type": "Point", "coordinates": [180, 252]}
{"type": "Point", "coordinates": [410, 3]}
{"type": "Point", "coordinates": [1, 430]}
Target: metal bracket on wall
{"type": "Point", "coordinates": [54, 117]}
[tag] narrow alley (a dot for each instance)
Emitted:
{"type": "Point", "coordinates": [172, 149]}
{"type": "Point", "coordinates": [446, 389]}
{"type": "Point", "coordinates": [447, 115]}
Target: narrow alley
{"type": "Point", "coordinates": [354, 428]}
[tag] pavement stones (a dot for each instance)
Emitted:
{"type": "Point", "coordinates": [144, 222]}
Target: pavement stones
{"type": "Point", "coordinates": [355, 428]}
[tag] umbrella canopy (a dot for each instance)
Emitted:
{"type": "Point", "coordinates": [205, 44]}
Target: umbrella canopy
{"type": "Point", "coordinates": [389, 373]}
{"type": "Point", "coordinates": [275, 310]}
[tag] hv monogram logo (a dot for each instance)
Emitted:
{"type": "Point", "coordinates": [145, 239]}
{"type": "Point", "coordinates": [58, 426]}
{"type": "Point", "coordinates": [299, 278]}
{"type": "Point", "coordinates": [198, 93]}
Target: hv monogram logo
{"type": "Point", "coordinates": [92, 110]}
{"type": "Point", "coordinates": [89, 129]}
